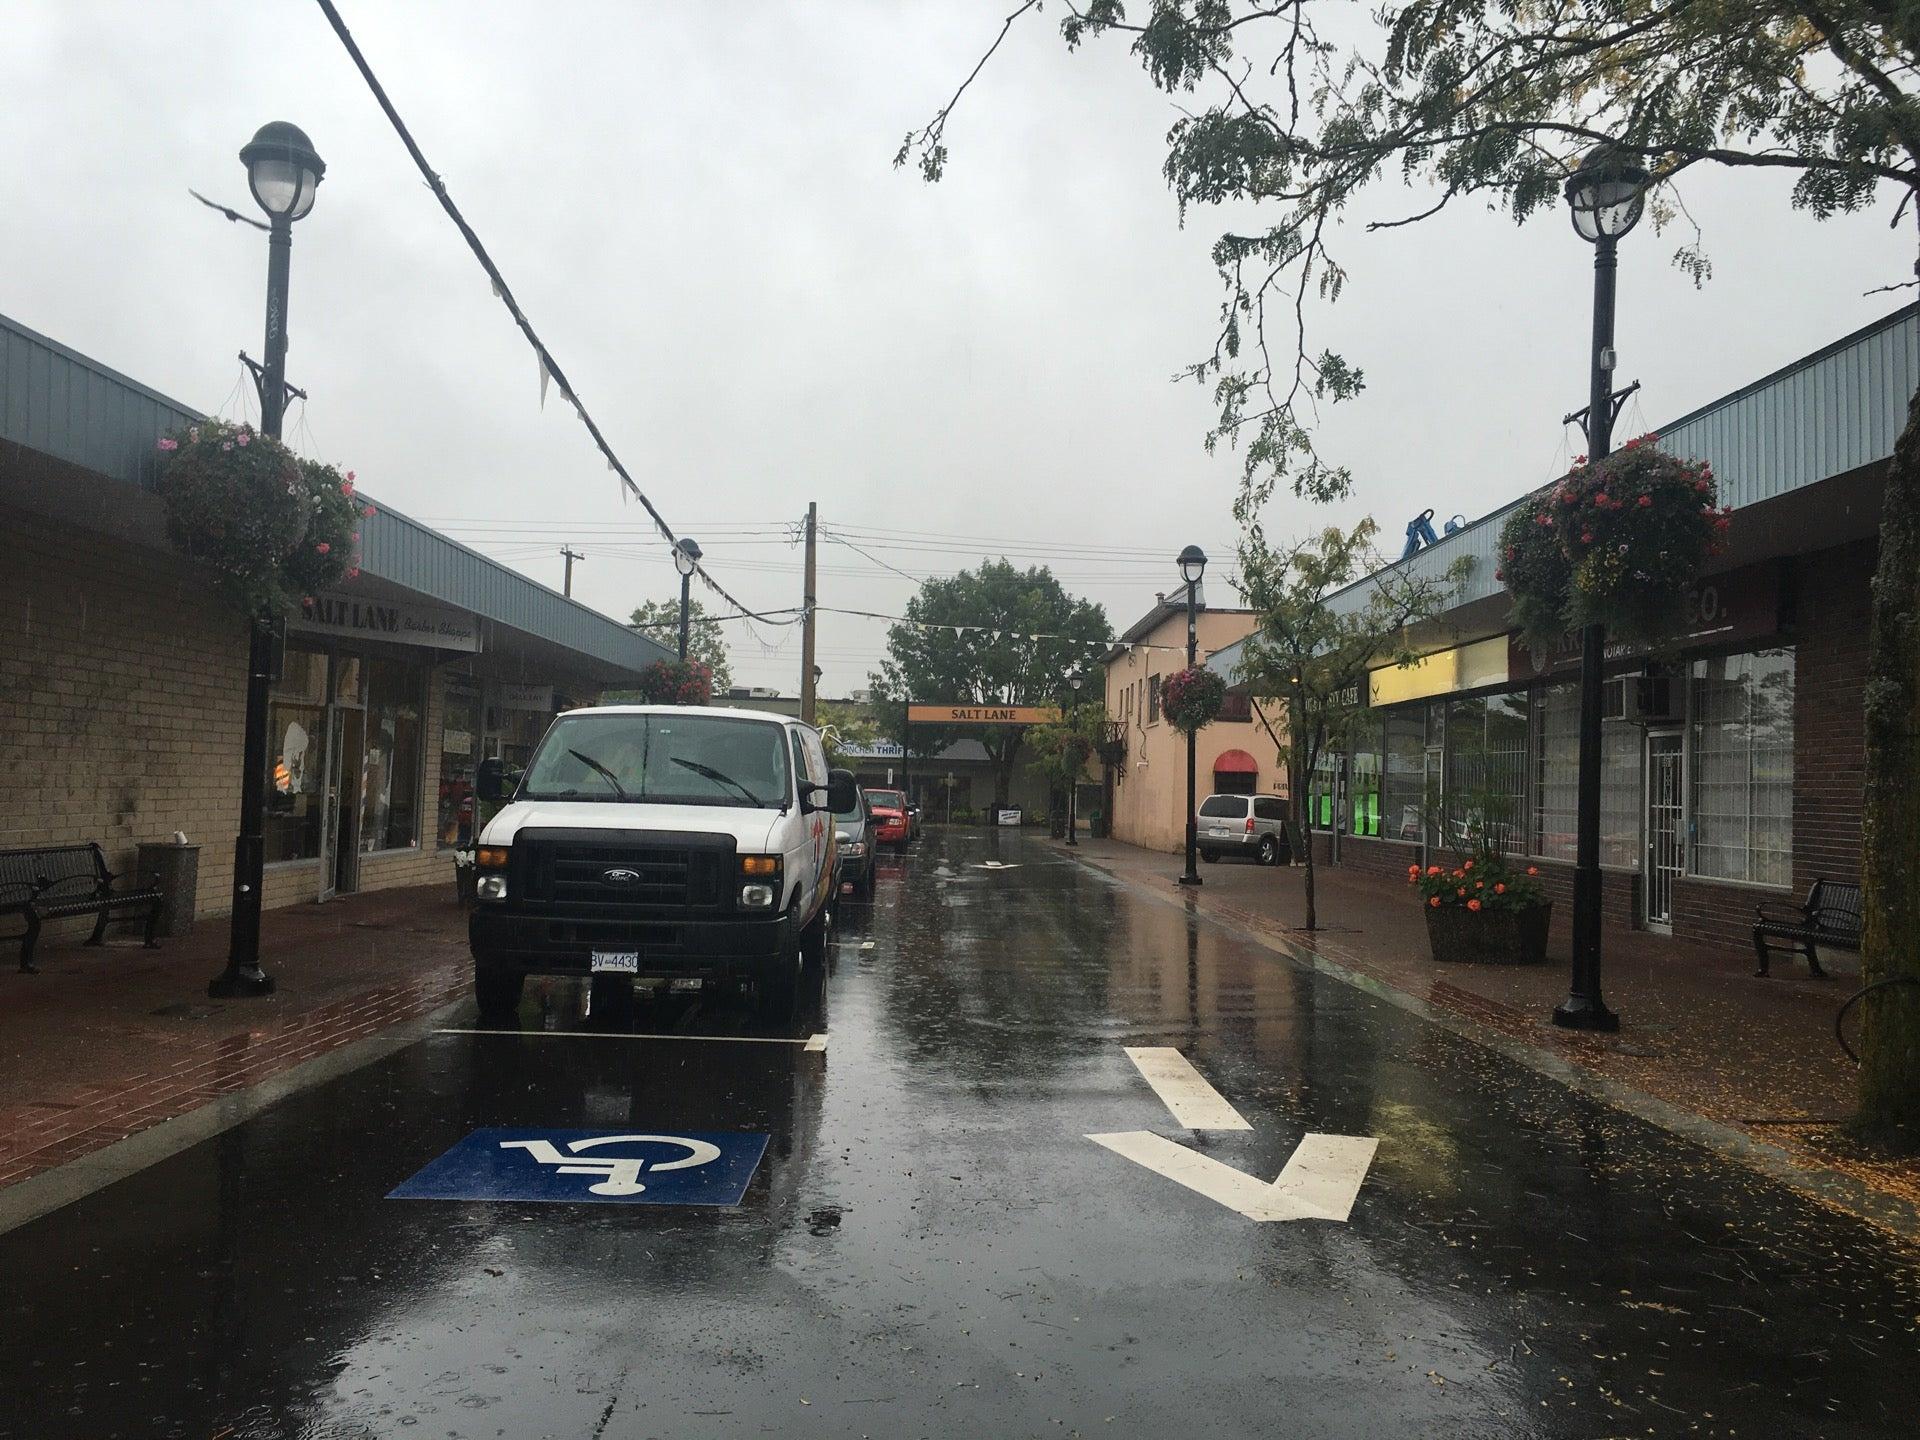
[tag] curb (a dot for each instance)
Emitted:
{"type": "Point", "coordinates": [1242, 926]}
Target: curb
{"type": "Point", "coordinates": [1832, 1188]}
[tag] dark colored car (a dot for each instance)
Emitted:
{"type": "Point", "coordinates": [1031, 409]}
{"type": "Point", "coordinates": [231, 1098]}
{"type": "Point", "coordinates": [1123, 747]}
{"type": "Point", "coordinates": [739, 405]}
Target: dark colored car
{"type": "Point", "coordinates": [853, 830]}
{"type": "Point", "coordinates": [890, 823]}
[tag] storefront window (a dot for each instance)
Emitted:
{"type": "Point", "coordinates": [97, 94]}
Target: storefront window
{"type": "Point", "coordinates": [459, 753]}
{"type": "Point", "coordinates": [1403, 785]}
{"type": "Point", "coordinates": [1486, 762]}
{"type": "Point", "coordinates": [1557, 782]}
{"type": "Point", "coordinates": [296, 752]}
{"type": "Point", "coordinates": [1742, 767]}
{"type": "Point", "coordinates": [390, 778]}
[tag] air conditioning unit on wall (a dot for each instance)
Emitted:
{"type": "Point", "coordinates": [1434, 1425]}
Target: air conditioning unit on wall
{"type": "Point", "coordinates": [1641, 699]}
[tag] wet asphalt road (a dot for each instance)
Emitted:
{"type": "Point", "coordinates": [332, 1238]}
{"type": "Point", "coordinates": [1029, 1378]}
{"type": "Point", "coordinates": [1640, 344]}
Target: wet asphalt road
{"type": "Point", "coordinates": [930, 1246]}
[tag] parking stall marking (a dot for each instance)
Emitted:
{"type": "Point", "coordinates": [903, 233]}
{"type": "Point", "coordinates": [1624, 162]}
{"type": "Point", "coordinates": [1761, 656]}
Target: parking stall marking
{"type": "Point", "coordinates": [815, 1041]}
{"type": "Point", "coordinates": [593, 1167]}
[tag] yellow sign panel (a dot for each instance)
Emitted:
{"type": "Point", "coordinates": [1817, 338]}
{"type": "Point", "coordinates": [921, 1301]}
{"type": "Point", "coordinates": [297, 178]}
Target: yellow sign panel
{"type": "Point", "coordinates": [1444, 672]}
{"type": "Point", "coordinates": [981, 714]}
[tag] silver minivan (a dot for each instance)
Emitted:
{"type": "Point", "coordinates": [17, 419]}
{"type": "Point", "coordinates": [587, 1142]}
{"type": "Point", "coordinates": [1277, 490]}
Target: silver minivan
{"type": "Point", "coordinates": [1254, 826]}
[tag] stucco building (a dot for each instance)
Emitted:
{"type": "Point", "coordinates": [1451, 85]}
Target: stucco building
{"type": "Point", "coordinates": [1146, 785]}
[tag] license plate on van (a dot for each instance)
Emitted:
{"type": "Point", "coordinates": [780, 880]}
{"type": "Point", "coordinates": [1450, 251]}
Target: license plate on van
{"type": "Point", "coordinates": [616, 962]}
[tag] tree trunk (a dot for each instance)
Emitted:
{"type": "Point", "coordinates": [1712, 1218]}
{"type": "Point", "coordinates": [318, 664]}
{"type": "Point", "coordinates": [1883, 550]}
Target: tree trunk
{"type": "Point", "coordinates": [1890, 844]}
{"type": "Point", "coordinates": [1301, 758]}
{"type": "Point", "coordinates": [1003, 767]}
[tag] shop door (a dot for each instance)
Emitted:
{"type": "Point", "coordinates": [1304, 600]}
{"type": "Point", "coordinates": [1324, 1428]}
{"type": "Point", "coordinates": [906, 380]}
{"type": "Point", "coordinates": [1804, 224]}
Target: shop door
{"type": "Point", "coordinates": [340, 825]}
{"type": "Point", "coordinates": [1666, 851]}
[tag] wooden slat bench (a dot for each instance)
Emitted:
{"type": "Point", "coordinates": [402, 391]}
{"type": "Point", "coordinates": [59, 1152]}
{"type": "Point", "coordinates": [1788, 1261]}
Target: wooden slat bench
{"type": "Point", "coordinates": [1830, 915]}
{"type": "Point", "coordinates": [51, 882]}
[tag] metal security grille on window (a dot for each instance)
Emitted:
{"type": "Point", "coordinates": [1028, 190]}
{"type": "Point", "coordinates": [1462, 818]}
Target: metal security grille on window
{"type": "Point", "coordinates": [1557, 782]}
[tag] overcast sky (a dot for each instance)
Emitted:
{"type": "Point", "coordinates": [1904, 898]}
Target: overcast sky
{"type": "Point", "coordinates": [695, 204]}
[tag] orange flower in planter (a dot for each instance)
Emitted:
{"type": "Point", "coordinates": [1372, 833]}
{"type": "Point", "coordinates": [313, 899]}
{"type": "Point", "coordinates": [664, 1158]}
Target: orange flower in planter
{"type": "Point", "coordinates": [1469, 865]}
{"type": "Point", "coordinates": [1473, 904]}
{"type": "Point", "coordinates": [1461, 891]}
{"type": "Point", "coordinates": [1533, 869]}
{"type": "Point", "coordinates": [1434, 902]}
{"type": "Point", "coordinates": [1479, 884]}
{"type": "Point", "coordinates": [1499, 889]}
{"type": "Point", "coordinates": [1433, 869]}
{"type": "Point", "coordinates": [1459, 874]}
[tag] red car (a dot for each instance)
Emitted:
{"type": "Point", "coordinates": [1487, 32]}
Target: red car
{"type": "Point", "coordinates": [889, 809]}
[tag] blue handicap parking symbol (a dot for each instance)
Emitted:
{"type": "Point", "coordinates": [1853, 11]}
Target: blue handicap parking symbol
{"type": "Point", "coordinates": [595, 1167]}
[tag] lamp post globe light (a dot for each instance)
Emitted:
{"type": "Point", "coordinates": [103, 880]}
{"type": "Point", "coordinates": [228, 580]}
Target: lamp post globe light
{"type": "Point", "coordinates": [284, 173]}
{"type": "Point", "coordinates": [1606, 194]}
{"type": "Point", "coordinates": [1073, 781]}
{"type": "Point", "coordinates": [686, 551]}
{"type": "Point", "coordinates": [1193, 564]}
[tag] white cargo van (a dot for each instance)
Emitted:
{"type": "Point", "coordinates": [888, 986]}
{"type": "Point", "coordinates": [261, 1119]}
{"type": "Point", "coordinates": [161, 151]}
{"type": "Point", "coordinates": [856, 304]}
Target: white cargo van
{"type": "Point", "coordinates": [659, 842]}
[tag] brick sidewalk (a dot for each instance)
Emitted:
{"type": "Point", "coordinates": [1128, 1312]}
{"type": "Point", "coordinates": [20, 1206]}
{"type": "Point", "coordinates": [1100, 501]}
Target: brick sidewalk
{"type": "Point", "coordinates": [104, 1043]}
{"type": "Point", "coordinates": [1698, 1029]}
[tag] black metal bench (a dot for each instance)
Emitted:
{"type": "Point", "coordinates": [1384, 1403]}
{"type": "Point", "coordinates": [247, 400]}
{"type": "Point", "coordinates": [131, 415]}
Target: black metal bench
{"type": "Point", "coordinates": [1830, 915]}
{"type": "Point", "coordinates": [51, 882]}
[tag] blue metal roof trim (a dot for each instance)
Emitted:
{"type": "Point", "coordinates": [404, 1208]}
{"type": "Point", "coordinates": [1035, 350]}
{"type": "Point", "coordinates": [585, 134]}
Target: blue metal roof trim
{"type": "Point", "coordinates": [59, 402]}
{"type": "Point", "coordinates": [1825, 414]}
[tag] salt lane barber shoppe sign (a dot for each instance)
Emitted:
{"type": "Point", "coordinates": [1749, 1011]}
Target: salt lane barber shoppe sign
{"type": "Point", "coordinates": [398, 622]}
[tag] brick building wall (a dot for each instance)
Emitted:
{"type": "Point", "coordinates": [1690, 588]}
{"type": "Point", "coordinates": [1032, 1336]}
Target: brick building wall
{"type": "Point", "coordinates": [122, 701]}
{"type": "Point", "coordinates": [1832, 610]}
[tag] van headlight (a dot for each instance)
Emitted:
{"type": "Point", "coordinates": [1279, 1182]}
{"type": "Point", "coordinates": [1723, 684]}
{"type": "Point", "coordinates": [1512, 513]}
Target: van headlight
{"type": "Point", "coordinates": [491, 887]}
{"type": "Point", "coordinates": [756, 897]}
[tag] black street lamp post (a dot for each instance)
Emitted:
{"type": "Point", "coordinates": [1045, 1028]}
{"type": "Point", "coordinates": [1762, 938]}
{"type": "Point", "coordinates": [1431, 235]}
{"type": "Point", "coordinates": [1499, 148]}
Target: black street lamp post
{"type": "Point", "coordinates": [685, 553]}
{"type": "Point", "coordinates": [1073, 781]}
{"type": "Point", "coordinates": [1606, 193]}
{"type": "Point", "coordinates": [283, 172]}
{"type": "Point", "coordinates": [1193, 564]}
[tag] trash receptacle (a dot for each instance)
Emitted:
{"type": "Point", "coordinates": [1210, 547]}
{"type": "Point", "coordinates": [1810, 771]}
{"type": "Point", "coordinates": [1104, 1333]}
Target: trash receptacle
{"type": "Point", "coordinates": [176, 869]}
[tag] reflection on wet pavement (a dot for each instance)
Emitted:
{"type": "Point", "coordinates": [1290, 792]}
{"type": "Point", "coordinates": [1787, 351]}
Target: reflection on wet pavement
{"type": "Point", "coordinates": [931, 1246]}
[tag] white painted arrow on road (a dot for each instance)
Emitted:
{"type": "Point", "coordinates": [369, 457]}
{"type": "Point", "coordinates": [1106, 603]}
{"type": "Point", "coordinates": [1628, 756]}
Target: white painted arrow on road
{"type": "Point", "coordinates": [1321, 1179]}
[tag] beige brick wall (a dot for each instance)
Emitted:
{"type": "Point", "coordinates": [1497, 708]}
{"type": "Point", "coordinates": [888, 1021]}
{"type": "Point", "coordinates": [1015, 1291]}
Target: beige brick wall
{"type": "Point", "coordinates": [122, 691]}
{"type": "Point", "coordinates": [122, 695]}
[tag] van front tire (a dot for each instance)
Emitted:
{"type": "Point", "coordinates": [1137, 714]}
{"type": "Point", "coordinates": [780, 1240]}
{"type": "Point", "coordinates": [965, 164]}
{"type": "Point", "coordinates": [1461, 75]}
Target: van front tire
{"type": "Point", "coordinates": [498, 992]}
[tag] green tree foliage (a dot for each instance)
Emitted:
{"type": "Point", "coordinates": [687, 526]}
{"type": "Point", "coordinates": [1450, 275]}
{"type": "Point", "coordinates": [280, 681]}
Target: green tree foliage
{"type": "Point", "coordinates": [660, 620]}
{"type": "Point", "coordinates": [1292, 110]}
{"type": "Point", "coordinates": [992, 657]}
{"type": "Point", "coordinates": [845, 725]}
{"type": "Point", "coordinates": [1314, 656]}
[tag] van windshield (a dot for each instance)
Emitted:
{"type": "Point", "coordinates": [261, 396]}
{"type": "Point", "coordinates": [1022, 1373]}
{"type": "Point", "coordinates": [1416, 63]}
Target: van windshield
{"type": "Point", "coordinates": [689, 759]}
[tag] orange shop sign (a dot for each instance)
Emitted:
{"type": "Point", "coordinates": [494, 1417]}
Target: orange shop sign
{"type": "Point", "coordinates": [918, 714]}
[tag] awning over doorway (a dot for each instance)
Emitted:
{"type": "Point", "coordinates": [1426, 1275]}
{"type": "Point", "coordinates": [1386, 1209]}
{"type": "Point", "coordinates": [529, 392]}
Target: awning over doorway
{"type": "Point", "coordinates": [1236, 762]}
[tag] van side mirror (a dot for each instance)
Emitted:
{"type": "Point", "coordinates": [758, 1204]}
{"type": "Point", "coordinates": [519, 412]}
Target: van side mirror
{"type": "Point", "coordinates": [843, 791]}
{"type": "Point", "coordinates": [490, 780]}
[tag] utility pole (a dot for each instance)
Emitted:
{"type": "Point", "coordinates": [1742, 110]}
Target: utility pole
{"type": "Point", "coordinates": [572, 555]}
{"type": "Point", "coordinates": [807, 686]}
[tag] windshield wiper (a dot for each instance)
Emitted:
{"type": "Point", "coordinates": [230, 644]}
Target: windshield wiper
{"type": "Point", "coordinates": [707, 772]}
{"type": "Point", "coordinates": [611, 778]}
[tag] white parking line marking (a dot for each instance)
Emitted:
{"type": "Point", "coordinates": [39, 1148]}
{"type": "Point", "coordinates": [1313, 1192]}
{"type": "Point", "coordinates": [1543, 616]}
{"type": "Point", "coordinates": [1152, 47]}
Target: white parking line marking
{"type": "Point", "coordinates": [817, 1041]}
{"type": "Point", "coordinates": [1320, 1181]}
{"type": "Point", "coordinates": [1194, 1103]}
{"type": "Point", "coordinates": [623, 1035]}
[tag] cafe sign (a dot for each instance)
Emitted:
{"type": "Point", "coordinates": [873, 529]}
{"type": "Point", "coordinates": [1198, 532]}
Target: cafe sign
{"type": "Point", "coordinates": [398, 622]}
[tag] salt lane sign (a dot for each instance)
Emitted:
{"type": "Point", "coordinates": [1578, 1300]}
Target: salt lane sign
{"type": "Point", "coordinates": [981, 714]}
{"type": "Point", "coordinates": [396, 621]}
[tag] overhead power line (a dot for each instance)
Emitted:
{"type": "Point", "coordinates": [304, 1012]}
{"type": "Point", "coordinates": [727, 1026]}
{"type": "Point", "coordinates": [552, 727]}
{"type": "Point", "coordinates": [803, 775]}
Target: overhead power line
{"type": "Point", "coordinates": [549, 367]}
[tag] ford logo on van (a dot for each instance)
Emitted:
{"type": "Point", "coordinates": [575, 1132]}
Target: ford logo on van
{"type": "Point", "coordinates": [620, 877]}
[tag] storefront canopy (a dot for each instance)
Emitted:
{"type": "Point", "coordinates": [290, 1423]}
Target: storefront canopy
{"type": "Point", "coordinates": [1236, 762]}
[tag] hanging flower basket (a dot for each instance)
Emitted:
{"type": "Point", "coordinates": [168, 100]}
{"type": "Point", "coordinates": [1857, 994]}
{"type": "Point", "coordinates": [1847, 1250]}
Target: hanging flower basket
{"type": "Point", "coordinates": [1618, 544]}
{"type": "Point", "coordinates": [1484, 911]}
{"type": "Point", "coordinates": [676, 682]}
{"type": "Point", "coordinates": [273, 528]}
{"type": "Point", "coordinates": [1192, 698]}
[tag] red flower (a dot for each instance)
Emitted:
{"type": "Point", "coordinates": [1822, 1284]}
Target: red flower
{"type": "Point", "coordinates": [1434, 902]}
{"type": "Point", "coordinates": [1479, 884]}
{"type": "Point", "coordinates": [1473, 904]}
{"type": "Point", "coordinates": [1413, 869]}
{"type": "Point", "coordinates": [1645, 501]}
{"type": "Point", "coordinates": [1467, 866]}
{"type": "Point", "coordinates": [1461, 891]}
{"type": "Point", "coordinates": [1499, 888]}
{"type": "Point", "coordinates": [322, 548]}
{"type": "Point", "coordinates": [1433, 869]}
{"type": "Point", "coordinates": [1533, 869]}
{"type": "Point", "coordinates": [1586, 537]}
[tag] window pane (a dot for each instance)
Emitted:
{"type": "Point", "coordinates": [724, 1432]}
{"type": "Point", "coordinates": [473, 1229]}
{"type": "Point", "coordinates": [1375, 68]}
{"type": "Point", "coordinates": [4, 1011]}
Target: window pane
{"type": "Point", "coordinates": [390, 774]}
{"type": "Point", "coordinates": [1557, 782]}
{"type": "Point", "coordinates": [459, 753]}
{"type": "Point", "coordinates": [1225, 806]}
{"type": "Point", "coordinates": [1403, 775]}
{"type": "Point", "coordinates": [1742, 767]}
{"type": "Point", "coordinates": [296, 757]}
